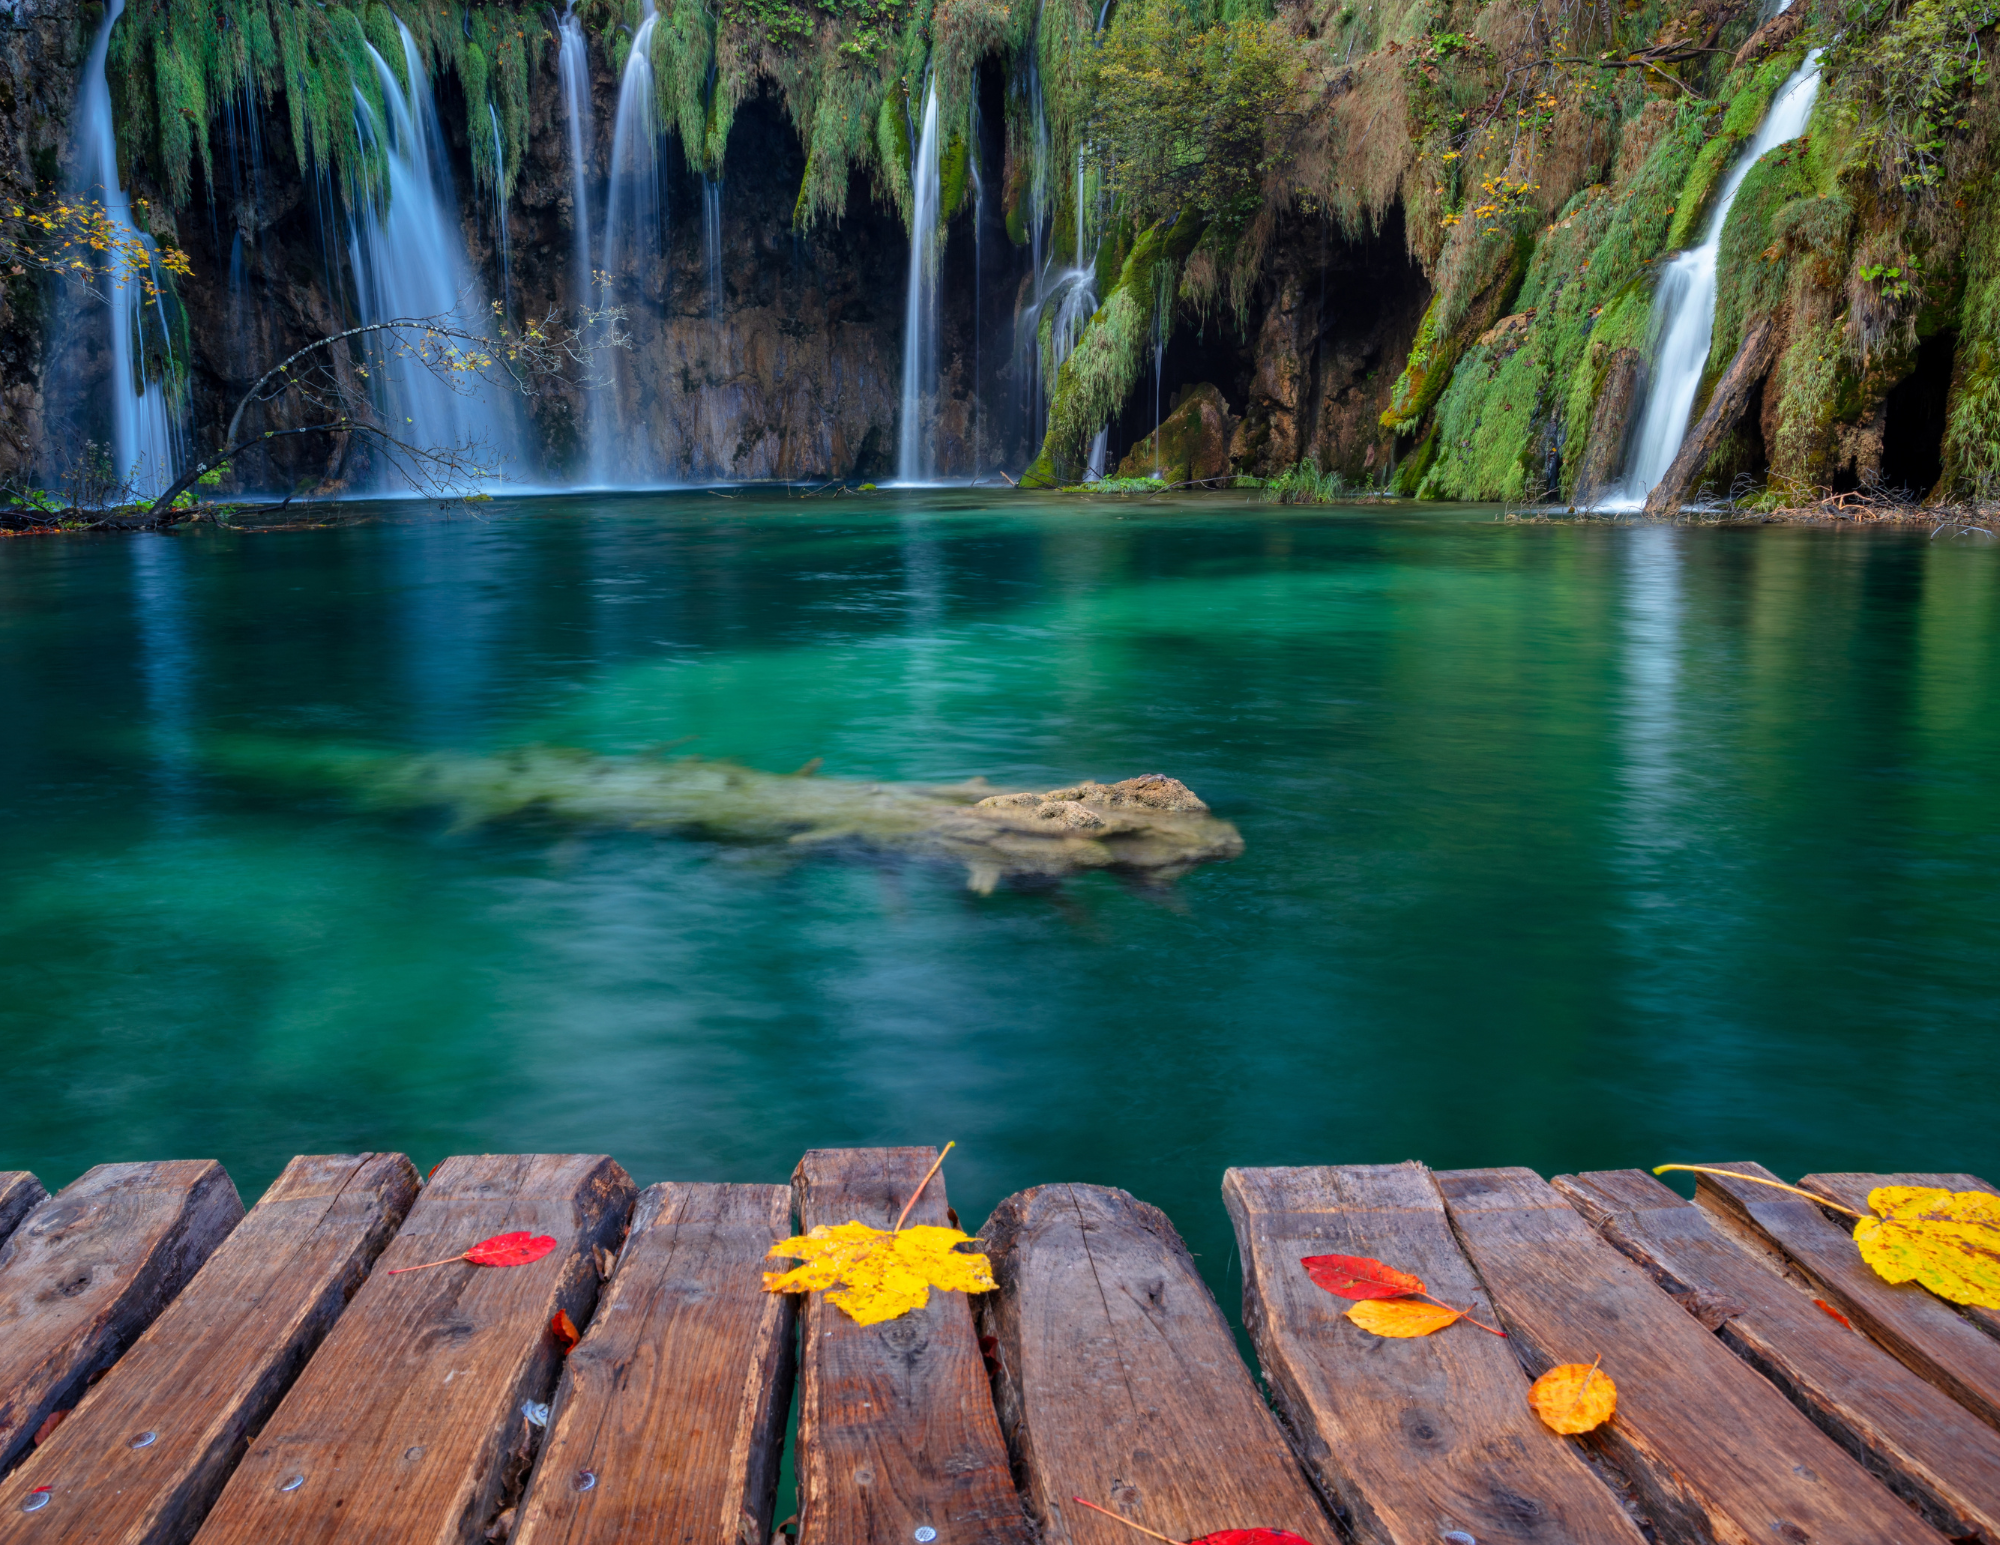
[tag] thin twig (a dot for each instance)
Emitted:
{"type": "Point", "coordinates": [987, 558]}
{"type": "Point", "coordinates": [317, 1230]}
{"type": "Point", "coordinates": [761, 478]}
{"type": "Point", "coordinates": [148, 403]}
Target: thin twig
{"type": "Point", "coordinates": [1126, 1521]}
{"type": "Point", "coordinates": [921, 1184]}
{"type": "Point", "coordinates": [1758, 1180]}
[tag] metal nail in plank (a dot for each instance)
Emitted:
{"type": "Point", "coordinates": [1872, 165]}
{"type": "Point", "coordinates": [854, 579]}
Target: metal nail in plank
{"type": "Point", "coordinates": [144, 1455]}
{"type": "Point", "coordinates": [897, 1430]}
{"type": "Point", "coordinates": [1119, 1380]}
{"type": "Point", "coordinates": [1418, 1439]}
{"type": "Point", "coordinates": [686, 1356]}
{"type": "Point", "coordinates": [406, 1428]}
{"type": "Point", "coordinates": [88, 1269]}
{"type": "Point", "coordinates": [1716, 1452]}
{"type": "Point", "coordinates": [1899, 1426]}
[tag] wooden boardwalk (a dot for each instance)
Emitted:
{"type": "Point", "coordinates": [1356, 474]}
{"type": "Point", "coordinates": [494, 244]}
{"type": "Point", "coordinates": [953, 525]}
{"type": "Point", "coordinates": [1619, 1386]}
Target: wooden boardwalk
{"type": "Point", "coordinates": [173, 1368]}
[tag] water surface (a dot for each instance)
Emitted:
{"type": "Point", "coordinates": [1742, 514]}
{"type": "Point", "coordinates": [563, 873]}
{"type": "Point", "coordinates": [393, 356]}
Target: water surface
{"type": "Point", "coordinates": [1572, 847]}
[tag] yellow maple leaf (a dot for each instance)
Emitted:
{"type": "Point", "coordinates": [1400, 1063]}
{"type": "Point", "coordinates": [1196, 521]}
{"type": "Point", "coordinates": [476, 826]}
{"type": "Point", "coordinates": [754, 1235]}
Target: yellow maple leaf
{"type": "Point", "coordinates": [1573, 1397]}
{"type": "Point", "coordinates": [877, 1274]}
{"type": "Point", "coordinates": [1947, 1240]}
{"type": "Point", "coordinates": [1402, 1316]}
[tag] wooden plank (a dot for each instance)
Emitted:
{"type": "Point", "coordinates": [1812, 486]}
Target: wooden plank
{"type": "Point", "coordinates": [1716, 1451]}
{"type": "Point", "coordinates": [210, 1369]}
{"type": "Point", "coordinates": [88, 1269]}
{"type": "Point", "coordinates": [407, 1426]}
{"type": "Point", "coordinates": [1120, 1381]}
{"type": "Point", "coordinates": [896, 1424]}
{"type": "Point", "coordinates": [20, 1194]}
{"type": "Point", "coordinates": [1920, 1330]}
{"type": "Point", "coordinates": [688, 1356]}
{"type": "Point", "coordinates": [1907, 1433]}
{"type": "Point", "coordinates": [1415, 1438]}
{"type": "Point", "coordinates": [1852, 1191]}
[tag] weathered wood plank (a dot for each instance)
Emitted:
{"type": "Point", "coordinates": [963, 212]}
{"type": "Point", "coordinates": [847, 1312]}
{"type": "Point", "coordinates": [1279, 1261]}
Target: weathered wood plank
{"type": "Point", "coordinates": [687, 1356]}
{"type": "Point", "coordinates": [407, 1428]}
{"type": "Point", "coordinates": [1120, 1382]}
{"type": "Point", "coordinates": [1919, 1329]}
{"type": "Point", "coordinates": [20, 1194]}
{"type": "Point", "coordinates": [897, 1430]}
{"type": "Point", "coordinates": [1852, 1191]}
{"type": "Point", "coordinates": [1714, 1449]}
{"type": "Point", "coordinates": [1414, 1438]}
{"type": "Point", "coordinates": [1909, 1434]}
{"type": "Point", "coordinates": [88, 1269]}
{"type": "Point", "coordinates": [210, 1369]}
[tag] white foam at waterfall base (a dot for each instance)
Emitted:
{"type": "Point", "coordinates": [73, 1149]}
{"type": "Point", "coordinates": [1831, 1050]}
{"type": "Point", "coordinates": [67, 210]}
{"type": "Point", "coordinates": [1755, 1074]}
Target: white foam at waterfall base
{"type": "Point", "coordinates": [634, 238]}
{"type": "Point", "coordinates": [146, 435]}
{"type": "Point", "coordinates": [916, 442]}
{"type": "Point", "coordinates": [1683, 320]}
{"type": "Point", "coordinates": [409, 261]}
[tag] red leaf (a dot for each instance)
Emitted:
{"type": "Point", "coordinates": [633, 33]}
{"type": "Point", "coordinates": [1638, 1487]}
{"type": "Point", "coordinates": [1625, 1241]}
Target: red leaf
{"type": "Point", "coordinates": [1251, 1537]}
{"type": "Point", "coordinates": [49, 1424]}
{"type": "Point", "coordinates": [1827, 1308]}
{"type": "Point", "coordinates": [563, 1328]}
{"type": "Point", "coordinates": [510, 1249]}
{"type": "Point", "coordinates": [1354, 1276]}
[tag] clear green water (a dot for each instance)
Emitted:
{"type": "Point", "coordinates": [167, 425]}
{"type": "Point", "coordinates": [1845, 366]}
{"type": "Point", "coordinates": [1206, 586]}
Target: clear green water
{"type": "Point", "coordinates": [1567, 847]}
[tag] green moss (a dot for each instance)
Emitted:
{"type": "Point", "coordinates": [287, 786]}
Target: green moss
{"type": "Point", "coordinates": [952, 175]}
{"type": "Point", "coordinates": [1487, 428]}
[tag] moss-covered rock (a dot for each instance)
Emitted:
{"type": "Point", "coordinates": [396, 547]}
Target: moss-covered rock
{"type": "Point", "coordinates": [1191, 443]}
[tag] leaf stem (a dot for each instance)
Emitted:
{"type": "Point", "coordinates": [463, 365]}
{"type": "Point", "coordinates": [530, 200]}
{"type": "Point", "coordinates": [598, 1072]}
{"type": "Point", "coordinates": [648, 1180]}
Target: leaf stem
{"type": "Point", "coordinates": [1125, 1521]}
{"type": "Point", "coordinates": [1464, 1314]}
{"type": "Point", "coordinates": [920, 1187]}
{"type": "Point", "coordinates": [1759, 1180]}
{"type": "Point", "coordinates": [427, 1265]}
{"type": "Point", "coordinates": [1571, 1407]}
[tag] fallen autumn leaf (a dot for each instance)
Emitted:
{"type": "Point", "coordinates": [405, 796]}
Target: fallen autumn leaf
{"type": "Point", "coordinates": [1573, 1397]}
{"type": "Point", "coordinates": [1402, 1316]}
{"type": "Point", "coordinates": [516, 1249]}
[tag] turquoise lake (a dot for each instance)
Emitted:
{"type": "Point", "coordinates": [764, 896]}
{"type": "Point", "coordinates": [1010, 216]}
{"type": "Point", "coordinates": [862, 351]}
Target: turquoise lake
{"type": "Point", "coordinates": [1566, 846]}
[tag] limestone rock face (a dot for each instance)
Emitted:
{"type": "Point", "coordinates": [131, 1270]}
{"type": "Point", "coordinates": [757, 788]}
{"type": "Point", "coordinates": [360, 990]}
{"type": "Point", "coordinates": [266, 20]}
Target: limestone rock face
{"type": "Point", "coordinates": [1192, 442]}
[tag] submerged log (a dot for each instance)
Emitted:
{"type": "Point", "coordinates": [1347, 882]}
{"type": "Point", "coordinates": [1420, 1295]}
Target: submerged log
{"type": "Point", "coordinates": [1151, 827]}
{"type": "Point", "coordinates": [1732, 396]}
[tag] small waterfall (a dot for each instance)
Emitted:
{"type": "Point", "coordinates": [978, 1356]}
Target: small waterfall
{"type": "Point", "coordinates": [409, 261]}
{"type": "Point", "coordinates": [634, 225]}
{"type": "Point", "coordinates": [573, 69]}
{"type": "Point", "coordinates": [711, 243]}
{"type": "Point", "coordinates": [916, 450]}
{"type": "Point", "coordinates": [978, 397]}
{"type": "Point", "coordinates": [146, 436]}
{"type": "Point", "coordinates": [1683, 321]}
{"type": "Point", "coordinates": [500, 207]}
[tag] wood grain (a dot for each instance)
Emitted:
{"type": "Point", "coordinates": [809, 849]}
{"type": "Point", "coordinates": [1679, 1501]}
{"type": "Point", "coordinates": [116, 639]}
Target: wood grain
{"type": "Point", "coordinates": [20, 1194]}
{"type": "Point", "coordinates": [687, 1356]}
{"type": "Point", "coordinates": [1905, 1431]}
{"type": "Point", "coordinates": [1415, 1438]}
{"type": "Point", "coordinates": [897, 1430]}
{"type": "Point", "coordinates": [406, 1428]}
{"type": "Point", "coordinates": [88, 1270]}
{"type": "Point", "coordinates": [1920, 1330]}
{"type": "Point", "coordinates": [1852, 1191]}
{"type": "Point", "coordinates": [1716, 1452]}
{"type": "Point", "coordinates": [209, 1371]}
{"type": "Point", "coordinates": [1119, 1379]}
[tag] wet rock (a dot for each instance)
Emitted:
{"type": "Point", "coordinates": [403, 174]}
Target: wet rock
{"type": "Point", "coordinates": [1610, 426]}
{"type": "Point", "coordinates": [1192, 442]}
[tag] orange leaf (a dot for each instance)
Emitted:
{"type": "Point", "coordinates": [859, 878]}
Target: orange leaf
{"type": "Point", "coordinates": [1573, 1397]}
{"type": "Point", "coordinates": [563, 1328]}
{"type": "Point", "coordinates": [1359, 1276]}
{"type": "Point", "coordinates": [49, 1425]}
{"type": "Point", "coordinates": [1402, 1316]}
{"type": "Point", "coordinates": [1828, 1309]}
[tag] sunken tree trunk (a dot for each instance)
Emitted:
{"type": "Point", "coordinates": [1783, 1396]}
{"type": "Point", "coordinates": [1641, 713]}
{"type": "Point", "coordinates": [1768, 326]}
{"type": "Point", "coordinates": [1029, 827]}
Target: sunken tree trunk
{"type": "Point", "coordinates": [1732, 396]}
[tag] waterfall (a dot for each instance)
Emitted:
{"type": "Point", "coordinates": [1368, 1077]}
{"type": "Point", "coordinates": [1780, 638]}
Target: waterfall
{"type": "Point", "coordinates": [573, 69]}
{"type": "Point", "coordinates": [500, 206]}
{"type": "Point", "coordinates": [634, 219]}
{"type": "Point", "coordinates": [711, 242]}
{"type": "Point", "coordinates": [1683, 320]}
{"type": "Point", "coordinates": [916, 450]}
{"type": "Point", "coordinates": [978, 398]}
{"type": "Point", "coordinates": [409, 260]}
{"type": "Point", "coordinates": [146, 438]}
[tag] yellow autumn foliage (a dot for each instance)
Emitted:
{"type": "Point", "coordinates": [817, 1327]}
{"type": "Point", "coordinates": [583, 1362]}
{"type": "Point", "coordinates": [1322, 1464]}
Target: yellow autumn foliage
{"type": "Point", "coordinates": [876, 1275]}
{"type": "Point", "coordinates": [1402, 1316]}
{"type": "Point", "coordinates": [1947, 1240]}
{"type": "Point", "coordinates": [1573, 1397]}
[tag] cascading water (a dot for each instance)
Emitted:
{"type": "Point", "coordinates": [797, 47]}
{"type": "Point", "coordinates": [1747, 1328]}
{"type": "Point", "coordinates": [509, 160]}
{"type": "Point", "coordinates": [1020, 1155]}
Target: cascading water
{"type": "Point", "coordinates": [573, 69]}
{"type": "Point", "coordinates": [711, 243]}
{"type": "Point", "coordinates": [916, 450]}
{"type": "Point", "coordinates": [634, 226]}
{"type": "Point", "coordinates": [500, 207]}
{"type": "Point", "coordinates": [146, 443]}
{"type": "Point", "coordinates": [978, 287]}
{"type": "Point", "coordinates": [409, 261]}
{"type": "Point", "coordinates": [1683, 320]}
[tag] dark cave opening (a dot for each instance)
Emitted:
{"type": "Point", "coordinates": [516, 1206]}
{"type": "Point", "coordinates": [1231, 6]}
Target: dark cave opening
{"type": "Point", "coordinates": [1914, 418]}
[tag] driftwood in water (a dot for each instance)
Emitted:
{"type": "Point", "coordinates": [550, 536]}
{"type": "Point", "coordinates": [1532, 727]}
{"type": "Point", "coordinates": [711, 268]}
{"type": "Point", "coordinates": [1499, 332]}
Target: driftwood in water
{"type": "Point", "coordinates": [1732, 396]}
{"type": "Point", "coordinates": [1153, 826]}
